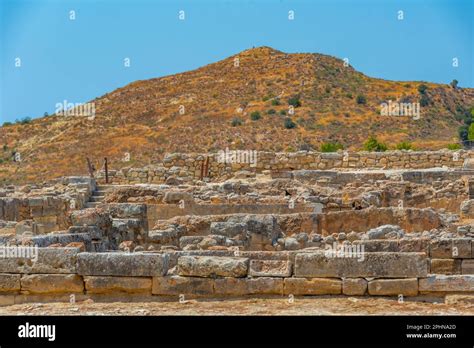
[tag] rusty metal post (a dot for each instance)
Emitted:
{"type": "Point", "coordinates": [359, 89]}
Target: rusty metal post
{"type": "Point", "coordinates": [206, 167]}
{"type": "Point", "coordinates": [106, 170]}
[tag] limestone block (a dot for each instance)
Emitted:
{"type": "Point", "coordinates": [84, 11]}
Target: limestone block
{"type": "Point", "coordinates": [212, 266]}
{"type": "Point", "coordinates": [388, 287]}
{"type": "Point", "coordinates": [122, 264]}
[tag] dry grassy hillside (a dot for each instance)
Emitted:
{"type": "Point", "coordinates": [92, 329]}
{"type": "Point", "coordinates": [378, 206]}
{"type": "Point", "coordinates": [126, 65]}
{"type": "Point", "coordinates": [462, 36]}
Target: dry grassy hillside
{"type": "Point", "coordinates": [144, 118]}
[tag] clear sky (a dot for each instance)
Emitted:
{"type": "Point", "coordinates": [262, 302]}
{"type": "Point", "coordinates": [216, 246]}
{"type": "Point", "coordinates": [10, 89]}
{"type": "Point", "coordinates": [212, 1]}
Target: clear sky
{"type": "Point", "coordinates": [78, 60]}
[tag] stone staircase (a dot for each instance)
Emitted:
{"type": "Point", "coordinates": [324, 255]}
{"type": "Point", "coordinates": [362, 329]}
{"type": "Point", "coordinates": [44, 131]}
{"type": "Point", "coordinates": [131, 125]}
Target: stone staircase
{"type": "Point", "coordinates": [98, 195]}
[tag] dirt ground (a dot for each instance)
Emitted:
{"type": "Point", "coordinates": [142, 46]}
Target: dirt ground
{"type": "Point", "coordinates": [269, 306]}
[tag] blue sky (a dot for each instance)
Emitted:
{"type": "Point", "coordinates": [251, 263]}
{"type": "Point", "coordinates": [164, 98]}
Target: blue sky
{"type": "Point", "coordinates": [78, 60]}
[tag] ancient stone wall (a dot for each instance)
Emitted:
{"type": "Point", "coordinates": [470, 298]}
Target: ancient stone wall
{"type": "Point", "coordinates": [433, 267]}
{"type": "Point", "coordinates": [190, 166]}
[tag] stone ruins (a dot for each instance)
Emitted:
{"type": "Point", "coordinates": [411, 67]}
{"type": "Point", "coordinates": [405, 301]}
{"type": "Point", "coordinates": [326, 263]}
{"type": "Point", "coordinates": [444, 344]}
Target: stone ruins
{"type": "Point", "coordinates": [398, 223]}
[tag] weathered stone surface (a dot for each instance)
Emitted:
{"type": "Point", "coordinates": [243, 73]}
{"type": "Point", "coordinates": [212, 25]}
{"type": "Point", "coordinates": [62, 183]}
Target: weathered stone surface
{"type": "Point", "coordinates": [388, 287]}
{"type": "Point", "coordinates": [354, 286]}
{"type": "Point", "coordinates": [451, 248]}
{"type": "Point", "coordinates": [381, 231]}
{"type": "Point", "coordinates": [51, 283]}
{"type": "Point", "coordinates": [467, 267]}
{"type": "Point", "coordinates": [467, 208]}
{"type": "Point", "coordinates": [176, 285]}
{"type": "Point", "coordinates": [447, 283]}
{"type": "Point", "coordinates": [387, 265]}
{"type": "Point", "coordinates": [248, 286]}
{"type": "Point", "coordinates": [212, 266]}
{"type": "Point", "coordinates": [101, 285]}
{"type": "Point", "coordinates": [314, 286]}
{"type": "Point", "coordinates": [9, 282]}
{"type": "Point", "coordinates": [122, 264]}
{"type": "Point", "coordinates": [445, 266]}
{"type": "Point", "coordinates": [270, 268]}
{"type": "Point", "coordinates": [414, 245]}
{"type": "Point", "coordinates": [127, 210]}
{"type": "Point", "coordinates": [378, 245]}
{"type": "Point", "coordinates": [229, 229]}
{"type": "Point", "coordinates": [49, 260]}
{"type": "Point", "coordinates": [174, 197]}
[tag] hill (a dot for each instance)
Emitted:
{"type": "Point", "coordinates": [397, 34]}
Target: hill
{"type": "Point", "coordinates": [241, 102]}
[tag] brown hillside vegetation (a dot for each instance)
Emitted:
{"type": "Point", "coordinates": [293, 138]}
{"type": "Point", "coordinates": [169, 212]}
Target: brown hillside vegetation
{"type": "Point", "coordinates": [144, 118]}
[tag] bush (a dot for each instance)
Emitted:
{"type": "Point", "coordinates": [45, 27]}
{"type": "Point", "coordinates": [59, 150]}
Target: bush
{"type": "Point", "coordinates": [404, 145]}
{"type": "Point", "coordinates": [276, 102]}
{"type": "Point", "coordinates": [422, 88]}
{"type": "Point", "coordinates": [25, 120]}
{"type": "Point", "coordinates": [331, 147]}
{"type": "Point", "coordinates": [454, 147]}
{"type": "Point", "coordinates": [463, 133]}
{"type": "Point", "coordinates": [289, 124]}
{"type": "Point", "coordinates": [372, 144]}
{"type": "Point", "coordinates": [295, 101]}
{"type": "Point", "coordinates": [6, 124]}
{"type": "Point", "coordinates": [255, 116]}
{"type": "Point", "coordinates": [283, 112]}
{"type": "Point", "coordinates": [271, 112]}
{"type": "Point", "coordinates": [361, 99]}
{"type": "Point", "coordinates": [236, 121]}
{"type": "Point", "coordinates": [424, 100]}
{"type": "Point", "coordinates": [454, 84]}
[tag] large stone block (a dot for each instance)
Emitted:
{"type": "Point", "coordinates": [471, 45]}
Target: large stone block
{"type": "Point", "coordinates": [270, 268]}
{"type": "Point", "coordinates": [451, 248]}
{"type": "Point", "coordinates": [445, 266]}
{"type": "Point", "coordinates": [51, 283]}
{"type": "Point", "coordinates": [248, 286]}
{"type": "Point", "coordinates": [212, 266]}
{"type": "Point", "coordinates": [382, 265]}
{"type": "Point", "coordinates": [389, 287]}
{"type": "Point", "coordinates": [447, 283]}
{"type": "Point", "coordinates": [9, 282]}
{"type": "Point", "coordinates": [177, 285]}
{"type": "Point", "coordinates": [102, 285]}
{"type": "Point", "coordinates": [314, 286]}
{"type": "Point", "coordinates": [122, 264]}
{"type": "Point", "coordinates": [38, 260]}
{"type": "Point", "coordinates": [354, 286]}
{"type": "Point", "coordinates": [467, 267]}
{"type": "Point", "coordinates": [414, 245]}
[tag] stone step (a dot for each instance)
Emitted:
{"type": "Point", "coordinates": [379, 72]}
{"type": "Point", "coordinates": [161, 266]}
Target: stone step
{"type": "Point", "coordinates": [104, 187]}
{"type": "Point", "coordinates": [92, 204]}
{"type": "Point", "coordinates": [97, 198]}
{"type": "Point", "coordinates": [99, 193]}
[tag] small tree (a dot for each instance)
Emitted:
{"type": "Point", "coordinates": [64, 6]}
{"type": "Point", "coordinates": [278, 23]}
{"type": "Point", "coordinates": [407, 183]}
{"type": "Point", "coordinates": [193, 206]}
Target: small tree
{"type": "Point", "coordinates": [422, 88]}
{"type": "Point", "coordinates": [295, 101]}
{"type": "Point", "coordinates": [289, 124]}
{"type": "Point", "coordinates": [255, 116]}
{"type": "Point", "coordinates": [361, 99]}
{"type": "Point", "coordinates": [236, 121]}
{"type": "Point", "coordinates": [454, 84]}
{"type": "Point", "coordinates": [424, 100]}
